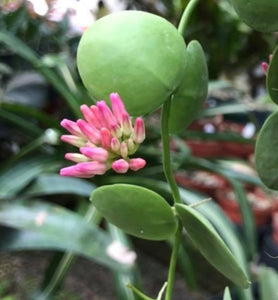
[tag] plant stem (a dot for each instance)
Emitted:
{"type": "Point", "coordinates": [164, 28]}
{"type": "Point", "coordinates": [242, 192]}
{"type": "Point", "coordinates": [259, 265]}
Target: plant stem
{"type": "Point", "coordinates": [166, 151]}
{"type": "Point", "coordinates": [175, 190]}
{"type": "Point", "coordinates": [173, 262]}
{"type": "Point", "coordinates": [166, 157]}
{"type": "Point", "coordinates": [186, 15]}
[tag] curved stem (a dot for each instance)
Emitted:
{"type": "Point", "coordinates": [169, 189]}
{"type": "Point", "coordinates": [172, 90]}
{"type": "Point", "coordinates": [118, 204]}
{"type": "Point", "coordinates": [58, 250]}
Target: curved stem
{"type": "Point", "coordinates": [166, 151]}
{"type": "Point", "coordinates": [186, 15]}
{"type": "Point", "coordinates": [173, 262]}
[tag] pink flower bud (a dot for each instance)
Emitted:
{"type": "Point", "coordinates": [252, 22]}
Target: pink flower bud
{"type": "Point", "coordinates": [73, 172]}
{"type": "Point", "coordinates": [99, 122]}
{"type": "Point", "coordinates": [124, 150]}
{"type": "Point", "coordinates": [116, 131]}
{"type": "Point", "coordinates": [91, 168]}
{"type": "Point", "coordinates": [120, 166]}
{"type": "Point", "coordinates": [118, 107]}
{"type": "Point", "coordinates": [89, 130]}
{"type": "Point", "coordinates": [115, 145]}
{"type": "Point", "coordinates": [139, 131]}
{"type": "Point", "coordinates": [71, 127]}
{"type": "Point", "coordinates": [105, 138]}
{"type": "Point", "coordinates": [97, 154]}
{"type": "Point", "coordinates": [73, 140]}
{"type": "Point", "coordinates": [131, 146]}
{"type": "Point", "coordinates": [89, 115]}
{"type": "Point", "coordinates": [136, 164]}
{"type": "Point", "coordinates": [264, 67]}
{"type": "Point", "coordinates": [126, 124]}
{"type": "Point", "coordinates": [76, 157]}
{"type": "Point", "coordinates": [106, 114]}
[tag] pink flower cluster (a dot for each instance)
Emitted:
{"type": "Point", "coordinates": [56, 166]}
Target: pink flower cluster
{"type": "Point", "coordinates": [106, 139]}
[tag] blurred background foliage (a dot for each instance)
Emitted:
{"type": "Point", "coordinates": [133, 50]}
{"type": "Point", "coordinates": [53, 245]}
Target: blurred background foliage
{"type": "Point", "coordinates": [40, 85]}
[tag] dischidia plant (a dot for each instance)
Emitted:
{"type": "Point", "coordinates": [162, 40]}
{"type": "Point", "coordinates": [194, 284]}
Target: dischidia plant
{"type": "Point", "coordinates": [132, 63]}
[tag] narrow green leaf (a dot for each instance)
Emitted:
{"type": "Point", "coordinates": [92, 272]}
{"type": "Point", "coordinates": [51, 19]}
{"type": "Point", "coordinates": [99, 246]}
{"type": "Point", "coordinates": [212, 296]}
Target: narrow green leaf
{"type": "Point", "coordinates": [20, 122]}
{"type": "Point", "coordinates": [31, 112]}
{"type": "Point", "coordinates": [136, 210]}
{"type": "Point", "coordinates": [209, 243]}
{"type": "Point", "coordinates": [20, 48]}
{"type": "Point", "coordinates": [22, 173]}
{"type": "Point", "coordinates": [272, 77]}
{"type": "Point", "coordinates": [266, 152]}
{"type": "Point", "coordinates": [192, 92]}
{"type": "Point", "coordinates": [47, 226]}
{"type": "Point", "coordinates": [227, 295]}
{"type": "Point", "coordinates": [48, 184]}
{"type": "Point", "coordinates": [268, 283]}
{"type": "Point", "coordinates": [249, 226]}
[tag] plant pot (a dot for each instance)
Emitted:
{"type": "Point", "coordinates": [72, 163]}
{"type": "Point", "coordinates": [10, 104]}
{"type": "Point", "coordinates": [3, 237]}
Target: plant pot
{"type": "Point", "coordinates": [208, 149]}
{"type": "Point", "coordinates": [201, 181]}
{"type": "Point", "coordinates": [261, 206]}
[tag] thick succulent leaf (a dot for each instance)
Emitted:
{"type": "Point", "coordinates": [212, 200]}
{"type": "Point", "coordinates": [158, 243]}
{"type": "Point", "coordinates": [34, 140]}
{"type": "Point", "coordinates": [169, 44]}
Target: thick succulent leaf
{"type": "Point", "coordinates": [258, 14]}
{"type": "Point", "coordinates": [47, 184]}
{"type": "Point", "coordinates": [227, 295]}
{"type": "Point", "coordinates": [209, 243]}
{"type": "Point", "coordinates": [136, 210]}
{"type": "Point", "coordinates": [211, 211]}
{"type": "Point", "coordinates": [192, 92]}
{"type": "Point", "coordinates": [272, 77]}
{"type": "Point", "coordinates": [143, 59]}
{"type": "Point", "coordinates": [266, 152]}
{"type": "Point", "coordinates": [268, 282]}
{"type": "Point", "coordinates": [46, 226]}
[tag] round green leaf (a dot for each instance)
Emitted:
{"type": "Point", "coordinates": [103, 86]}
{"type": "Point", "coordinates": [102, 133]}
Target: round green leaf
{"type": "Point", "coordinates": [137, 54]}
{"type": "Point", "coordinates": [136, 210]}
{"type": "Point", "coordinates": [272, 77]}
{"type": "Point", "coordinates": [209, 243]}
{"type": "Point", "coordinates": [193, 90]}
{"type": "Point", "coordinates": [261, 15]}
{"type": "Point", "coordinates": [266, 152]}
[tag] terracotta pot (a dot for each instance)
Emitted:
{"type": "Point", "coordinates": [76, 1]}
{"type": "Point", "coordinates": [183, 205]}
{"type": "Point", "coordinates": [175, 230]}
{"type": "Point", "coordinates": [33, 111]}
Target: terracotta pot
{"type": "Point", "coordinates": [219, 149]}
{"type": "Point", "coordinates": [261, 206]}
{"type": "Point", "coordinates": [201, 181]}
{"type": "Point", "coordinates": [206, 148]}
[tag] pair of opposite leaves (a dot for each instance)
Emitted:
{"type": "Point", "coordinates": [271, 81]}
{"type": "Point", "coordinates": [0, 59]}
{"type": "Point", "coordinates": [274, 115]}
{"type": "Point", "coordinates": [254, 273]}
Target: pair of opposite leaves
{"type": "Point", "coordinates": [143, 57]}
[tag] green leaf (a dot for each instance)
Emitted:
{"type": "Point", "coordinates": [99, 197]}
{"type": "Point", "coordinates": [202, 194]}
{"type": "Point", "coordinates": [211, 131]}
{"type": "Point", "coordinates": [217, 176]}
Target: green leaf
{"type": "Point", "coordinates": [211, 211]}
{"type": "Point", "coordinates": [22, 173]}
{"type": "Point", "coordinates": [249, 227]}
{"type": "Point", "coordinates": [268, 283]}
{"type": "Point", "coordinates": [46, 226]}
{"type": "Point", "coordinates": [266, 152]}
{"type": "Point", "coordinates": [136, 210]}
{"type": "Point", "coordinates": [21, 49]}
{"type": "Point", "coordinates": [192, 92]}
{"type": "Point", "coordinates": [145, 71]}
{"type": "Point", "coordinates": [48, 184]}
{"type": "Point", "coordinates": [259, 15]}
{"type": "Point", "coordinates": [272, 77]}
{"type": "Point", "coordinates": [209, 243]}
{"type": "Point", "coordinates": [227, 295]}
